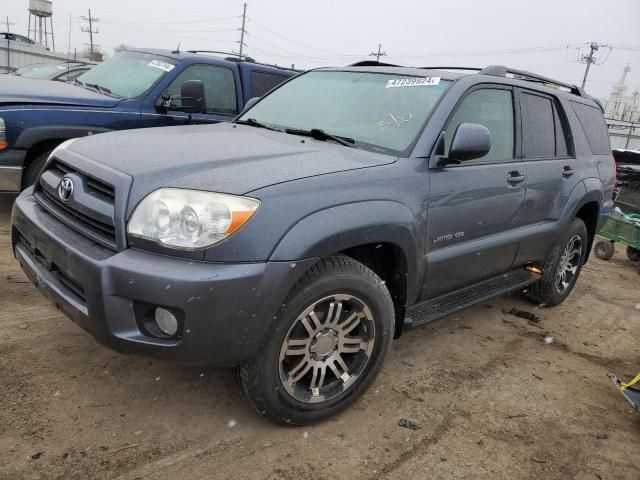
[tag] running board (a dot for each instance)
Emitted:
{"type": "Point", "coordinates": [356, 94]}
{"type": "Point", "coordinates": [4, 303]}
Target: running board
{"type": "Point", "coordinates": [431, 310]}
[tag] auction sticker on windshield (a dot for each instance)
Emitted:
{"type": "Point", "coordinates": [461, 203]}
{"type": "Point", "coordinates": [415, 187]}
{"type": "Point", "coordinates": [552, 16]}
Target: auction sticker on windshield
{"type": "Point", "coordinates": [167, 67]}
{"type": "Point", "coordinates": [413, 82]}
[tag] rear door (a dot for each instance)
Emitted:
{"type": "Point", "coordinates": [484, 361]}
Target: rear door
{"type": "Point", "coordinates": [474, 207]}
{"type": "Point", "coordinates": [548, 153]}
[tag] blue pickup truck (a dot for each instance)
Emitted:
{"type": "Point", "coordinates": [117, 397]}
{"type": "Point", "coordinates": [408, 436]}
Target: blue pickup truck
{"type": "Point", "coordinates": [134, 89]}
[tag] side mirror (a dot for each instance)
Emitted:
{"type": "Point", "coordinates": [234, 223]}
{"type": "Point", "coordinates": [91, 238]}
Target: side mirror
{"type": "Point", "coordinates": [250, 103]}
{"type": "Point", "coordinates": [193, 97]}
{"type": "Point", "coordinates": [470, 141]}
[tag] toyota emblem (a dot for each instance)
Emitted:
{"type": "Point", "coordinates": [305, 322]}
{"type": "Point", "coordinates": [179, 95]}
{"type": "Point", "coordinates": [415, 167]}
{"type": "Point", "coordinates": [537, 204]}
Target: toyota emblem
{"type": "Point", "coordinates": [65, 189]}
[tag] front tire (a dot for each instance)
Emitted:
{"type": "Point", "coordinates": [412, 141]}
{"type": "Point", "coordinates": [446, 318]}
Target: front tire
{"type": "Point", "coordinates": [562, 267]}
{"type": "Point", "coordinates": [31, 172]}
{"type": "Point", "coordinates": [325, 347]}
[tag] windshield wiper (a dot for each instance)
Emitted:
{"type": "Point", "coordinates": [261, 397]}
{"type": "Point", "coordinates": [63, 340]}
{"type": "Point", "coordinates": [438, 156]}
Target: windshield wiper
{"type": "Point", "coordinates": [320, 134]}
{"type": "Point", "coordinates": [255, 123]}
{"type": "Point", "coordinates": [99, 88]}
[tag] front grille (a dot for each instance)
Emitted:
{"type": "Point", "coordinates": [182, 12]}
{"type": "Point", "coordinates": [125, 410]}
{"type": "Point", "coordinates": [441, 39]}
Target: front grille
{"type": "Point", "coordinates": [90, 210]}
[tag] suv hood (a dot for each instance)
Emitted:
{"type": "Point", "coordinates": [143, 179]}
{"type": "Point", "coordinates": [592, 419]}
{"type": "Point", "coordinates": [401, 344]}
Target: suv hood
{"type": "Point", "coordinates": [18, 90]}
{"type": "Point", "coordinates": [224, 158]}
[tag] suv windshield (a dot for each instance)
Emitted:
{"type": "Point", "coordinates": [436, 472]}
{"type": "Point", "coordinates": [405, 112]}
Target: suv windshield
{"type": "Point", "coordinates": [376, 110]}
{"type": "Point", "coordinates": [128, 74]}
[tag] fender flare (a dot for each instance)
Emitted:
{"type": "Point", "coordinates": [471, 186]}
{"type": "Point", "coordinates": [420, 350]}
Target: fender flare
{"type": "Point", "coordinates": [31, 136]}
{"type": "Point", "coordinates": [338, 228]}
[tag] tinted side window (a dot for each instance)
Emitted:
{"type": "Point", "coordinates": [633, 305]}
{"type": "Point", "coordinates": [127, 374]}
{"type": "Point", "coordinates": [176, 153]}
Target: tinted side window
{"type": "Point", "coordinates": [262, 82]}
{"type": "Point", "coordinates": [219, 87]}
{"type": "Point", "coordinates": [594, 126]}
{"type": "Point", "coordinates": [494, 110]}
{"type": "Point", "coordinates": [538, 136]}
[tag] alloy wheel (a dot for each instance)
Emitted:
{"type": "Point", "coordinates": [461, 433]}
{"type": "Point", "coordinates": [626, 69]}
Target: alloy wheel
{"type": "Point", "coordinates": [569, 264]}
{"type": "Point", "coordinates": [327, 348]}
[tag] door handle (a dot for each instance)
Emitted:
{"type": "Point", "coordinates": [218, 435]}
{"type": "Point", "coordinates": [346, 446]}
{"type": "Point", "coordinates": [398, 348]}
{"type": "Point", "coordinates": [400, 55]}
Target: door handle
{"type": "Point", "coordinates": [567, 171]}
{"type": "Point", "coordinates": [515, 177]}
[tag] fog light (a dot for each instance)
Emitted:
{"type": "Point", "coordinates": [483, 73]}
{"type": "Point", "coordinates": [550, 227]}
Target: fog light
{"type": "Point", "coordinates": [166, 321]}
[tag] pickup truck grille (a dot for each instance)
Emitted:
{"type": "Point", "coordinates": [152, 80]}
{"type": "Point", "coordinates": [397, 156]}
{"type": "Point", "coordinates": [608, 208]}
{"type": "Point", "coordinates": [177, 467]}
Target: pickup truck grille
{"type": "Point", "coordinates": [89, 210]}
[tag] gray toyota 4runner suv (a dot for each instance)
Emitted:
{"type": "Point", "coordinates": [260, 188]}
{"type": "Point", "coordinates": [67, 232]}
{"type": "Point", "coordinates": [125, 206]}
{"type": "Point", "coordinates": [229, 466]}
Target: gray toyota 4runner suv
{"type": "Point", "coordinates": [344, 206]}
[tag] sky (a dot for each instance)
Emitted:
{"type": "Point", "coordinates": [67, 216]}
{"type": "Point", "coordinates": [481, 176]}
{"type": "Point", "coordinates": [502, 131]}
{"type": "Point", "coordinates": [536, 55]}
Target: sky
{"type": "Point", "coordinates": [542, 36]}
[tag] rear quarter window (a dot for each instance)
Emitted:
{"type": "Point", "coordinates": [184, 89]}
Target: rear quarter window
{"type": "Point", "coordinates": [594, 127]}
{"type": "Point", "coordinates": [262, 82]}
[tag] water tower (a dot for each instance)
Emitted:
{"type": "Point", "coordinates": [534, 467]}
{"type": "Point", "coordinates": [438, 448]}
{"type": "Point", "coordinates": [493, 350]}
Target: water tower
{"type": "Point", "coordinates": [41, 11]}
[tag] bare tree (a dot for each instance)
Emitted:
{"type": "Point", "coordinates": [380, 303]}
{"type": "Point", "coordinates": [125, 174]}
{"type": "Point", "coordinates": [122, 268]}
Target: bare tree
{"type": "Point", "coordinates": [121, 48]}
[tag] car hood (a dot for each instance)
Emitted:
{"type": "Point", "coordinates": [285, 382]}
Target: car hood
{"type": "Point", "coordinates": [19, 90]}
{"type": "Point", "coordinates": [225, 158]}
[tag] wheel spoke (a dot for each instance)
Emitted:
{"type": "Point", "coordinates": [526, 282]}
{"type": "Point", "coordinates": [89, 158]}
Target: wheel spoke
{"type": "Point", "coordinates": [296, 347]}
{"type": "Point", "coordinates": [300, 370]}
{"type": "Point", "coordinates": [352, 344]}
{"type": "Point", "coordinates": [333, 315]}
{"type": "Point", "coordinates": [317, 379]}
{"type": "Point", "coordinates": [317, 324]}
{"type": "Point", "coordinates": [350, 323]}
{"type": "Point", "coordinates": [305, 323]}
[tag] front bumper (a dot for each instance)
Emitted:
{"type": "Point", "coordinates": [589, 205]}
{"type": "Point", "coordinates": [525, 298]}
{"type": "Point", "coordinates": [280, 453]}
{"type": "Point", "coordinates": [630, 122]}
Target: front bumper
{"type": "Point", "coordinates": [225, 309]}
{"type": "Point", "coordinates": [11, 166]}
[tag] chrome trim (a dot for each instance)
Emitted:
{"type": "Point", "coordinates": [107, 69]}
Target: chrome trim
{"type": "Point", "coordinates": [10, 179]}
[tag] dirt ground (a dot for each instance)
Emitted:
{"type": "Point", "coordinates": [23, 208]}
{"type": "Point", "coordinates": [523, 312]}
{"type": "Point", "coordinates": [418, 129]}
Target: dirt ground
{"type": "Point", "coordinates": [493, 400]}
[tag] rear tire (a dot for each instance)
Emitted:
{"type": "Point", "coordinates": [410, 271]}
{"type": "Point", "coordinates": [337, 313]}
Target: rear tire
{"type": "Point", "coordinates": [31, 172]}
{"type": "Point", "coordinates": [633, 254]}
{"type": "Point", "coordinates": [562, 267]}
{"type": "Point", "coordinates": [604, 249]}
{"type": "Point", "coordinates": [325, 347]}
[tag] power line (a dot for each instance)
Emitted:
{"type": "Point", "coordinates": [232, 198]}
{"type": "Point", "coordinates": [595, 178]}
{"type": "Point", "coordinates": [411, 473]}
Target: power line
{"type": "Point", "coordinates": [378, 54]}
{"type": "Point", "coordinates": [91, 31]}
{"type": "Point", "coordinates": [243, 31]}
{"type": "Point", "coordinates": [592, 57]}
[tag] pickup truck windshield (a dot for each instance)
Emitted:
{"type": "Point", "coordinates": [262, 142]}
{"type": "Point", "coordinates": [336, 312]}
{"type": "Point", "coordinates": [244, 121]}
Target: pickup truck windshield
{"type": "Point", "coordinates": [376, 110]}
{"type": "Point", "coordinates": [128, 74]}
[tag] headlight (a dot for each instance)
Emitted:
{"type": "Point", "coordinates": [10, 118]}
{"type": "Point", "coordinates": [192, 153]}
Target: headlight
{"type": "Point", "coordinates": [189, 219]}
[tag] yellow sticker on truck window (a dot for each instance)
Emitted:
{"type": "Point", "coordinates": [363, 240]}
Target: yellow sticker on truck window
{"type": "Point", "coordinates": [413, 82]}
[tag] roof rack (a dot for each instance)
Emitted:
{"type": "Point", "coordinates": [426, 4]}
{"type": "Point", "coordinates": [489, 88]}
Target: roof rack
{"type": "Point", "coordinates": [231, 55]}
{"type": "Point", "coordinates": [234, 58]}
{"type": "Point", "coordinates": [502, 71]}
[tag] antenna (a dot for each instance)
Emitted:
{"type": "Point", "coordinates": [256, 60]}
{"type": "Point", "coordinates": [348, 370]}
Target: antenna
{"type": "Point", "coordinates": [177, 50]}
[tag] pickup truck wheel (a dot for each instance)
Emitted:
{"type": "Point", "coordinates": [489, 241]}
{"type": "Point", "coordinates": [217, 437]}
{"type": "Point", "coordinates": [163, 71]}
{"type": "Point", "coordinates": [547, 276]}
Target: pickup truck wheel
{"type": "Point", "coordinates": [325, 347]}
{"type": "Point", "coordinates": [31, 172]}
{"type": "Point", "coordinates": [562, 267]}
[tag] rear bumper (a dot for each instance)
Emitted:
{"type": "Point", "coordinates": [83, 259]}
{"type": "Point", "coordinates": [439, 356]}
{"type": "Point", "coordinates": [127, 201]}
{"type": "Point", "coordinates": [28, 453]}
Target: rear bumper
{"type": "Point", "coordinates": [11, 165]}
{"type": "Point", "coordinates": [224, 310]}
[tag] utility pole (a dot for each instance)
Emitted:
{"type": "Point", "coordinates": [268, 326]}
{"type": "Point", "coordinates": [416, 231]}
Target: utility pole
{"type": "Point", "coordinates": [91, 31]}
{"type": "Point", "coordinates": [378, 54]}
{"type": "Point", "coordinates": [242, 30]}
{"type": "Point", "coordinates": [8, 45]}
{"type": "Point", "coordinates": [590, 59]}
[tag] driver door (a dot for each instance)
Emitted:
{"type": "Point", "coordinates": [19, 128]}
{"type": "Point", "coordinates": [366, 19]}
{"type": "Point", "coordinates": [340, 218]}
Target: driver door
{"type": "Point", "coordinates": [220, 96]}
{"type": "Point", "coordinates": [474, 206]}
